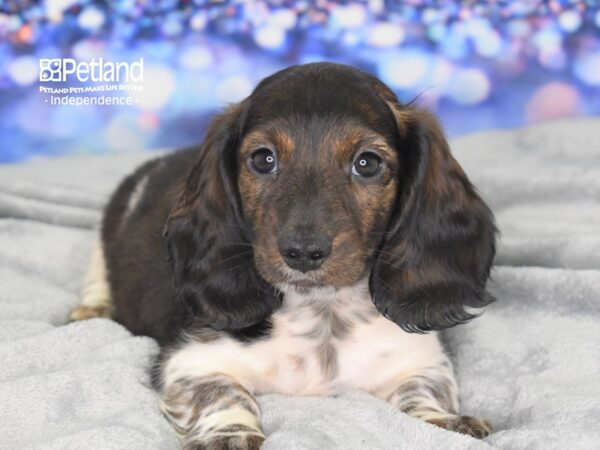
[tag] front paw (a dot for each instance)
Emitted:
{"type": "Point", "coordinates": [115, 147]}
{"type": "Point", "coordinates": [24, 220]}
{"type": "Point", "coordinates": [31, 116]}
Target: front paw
{"type": "Point", "coordinates": [233, 441]}
{"type": "Point", "coordinates": [473, 426]}
{"type": "Point", "coordinates": [83, 312]}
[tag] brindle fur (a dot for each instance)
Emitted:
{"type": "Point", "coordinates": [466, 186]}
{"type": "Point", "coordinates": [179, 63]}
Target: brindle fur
{"type": "Point", "coordinates": [190, 403]}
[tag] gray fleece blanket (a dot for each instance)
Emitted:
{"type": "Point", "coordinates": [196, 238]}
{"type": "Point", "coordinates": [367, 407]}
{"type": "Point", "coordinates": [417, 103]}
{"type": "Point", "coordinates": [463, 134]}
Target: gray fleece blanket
{"type": "Point", "coordinates": [530, 364]}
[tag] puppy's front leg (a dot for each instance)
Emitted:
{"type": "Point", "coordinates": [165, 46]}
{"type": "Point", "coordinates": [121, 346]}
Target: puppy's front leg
{"type": "Point", "coordinates": [213, 412]}
{"type": "Point", "coordinates": [431, 395]}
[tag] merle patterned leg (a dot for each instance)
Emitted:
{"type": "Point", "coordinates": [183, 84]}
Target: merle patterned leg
{"type": "Point", "coordinates": [213, 412]}
{"type": "Point", "coordinates": [432, 396]}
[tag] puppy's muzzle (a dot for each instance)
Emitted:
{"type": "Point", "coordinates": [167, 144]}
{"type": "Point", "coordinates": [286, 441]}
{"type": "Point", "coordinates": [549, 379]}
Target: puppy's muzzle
{"type": "Point", "coordinates": [304, 251]}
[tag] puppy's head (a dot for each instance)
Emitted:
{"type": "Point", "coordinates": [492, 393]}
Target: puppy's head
{"type": "Point", "coordinates": [319, 179]}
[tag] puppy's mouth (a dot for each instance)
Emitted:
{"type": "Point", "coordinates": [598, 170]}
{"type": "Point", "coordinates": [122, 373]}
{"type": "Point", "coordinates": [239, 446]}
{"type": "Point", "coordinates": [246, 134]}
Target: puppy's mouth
{"type": "Point", "coordinates": [303, 280]}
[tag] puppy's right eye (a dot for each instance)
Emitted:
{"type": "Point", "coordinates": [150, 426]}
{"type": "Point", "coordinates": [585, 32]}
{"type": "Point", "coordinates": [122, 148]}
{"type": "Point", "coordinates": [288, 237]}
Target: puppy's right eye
{"type": "Point", "coordinates": [263, 161]}
{"type": "Point", "coordinates": [367, 165]}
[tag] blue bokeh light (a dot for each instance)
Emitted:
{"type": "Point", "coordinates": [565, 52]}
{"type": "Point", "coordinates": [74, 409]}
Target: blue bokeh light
{"type": "Point", "coordinates": [479, 65]}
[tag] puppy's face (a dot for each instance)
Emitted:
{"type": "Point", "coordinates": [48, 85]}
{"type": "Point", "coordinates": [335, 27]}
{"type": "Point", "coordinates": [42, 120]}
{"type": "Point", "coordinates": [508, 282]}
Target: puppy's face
{"type": "Point", "coordinates": [317, 192]}
{"type": "Point", "coordinates": [319, 178]}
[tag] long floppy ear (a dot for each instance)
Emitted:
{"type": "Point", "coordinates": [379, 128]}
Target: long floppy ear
{"type": "Point", "coordinates": [435, 259]}
{"type": "Point", "coordinates": [211, 256]}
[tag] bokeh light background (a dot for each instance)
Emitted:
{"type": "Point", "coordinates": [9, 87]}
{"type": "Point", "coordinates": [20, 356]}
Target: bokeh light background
{"type": "Point", "coordinates": [479, 65]}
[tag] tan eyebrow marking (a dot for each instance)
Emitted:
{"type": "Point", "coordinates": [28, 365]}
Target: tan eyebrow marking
{"type": "Point", "coordinates": [273, 137]}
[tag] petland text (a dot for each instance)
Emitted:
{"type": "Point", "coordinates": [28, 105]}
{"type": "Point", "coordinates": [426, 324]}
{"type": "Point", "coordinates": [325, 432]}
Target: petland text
{"type": "Point", "coordinates": [97, 70]}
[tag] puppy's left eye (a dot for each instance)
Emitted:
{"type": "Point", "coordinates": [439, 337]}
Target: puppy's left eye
{"type": "Point", "coordinates": [263, 161]}
{"type": "Point", "coordinates": [367, 165]}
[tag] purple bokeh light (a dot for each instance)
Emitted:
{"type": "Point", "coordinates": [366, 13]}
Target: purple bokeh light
{"type": "Point", "coordinates": [479, 65]}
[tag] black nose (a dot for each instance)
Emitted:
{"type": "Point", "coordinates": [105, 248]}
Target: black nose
{"type": "Point", "coordinates": [304, 251]}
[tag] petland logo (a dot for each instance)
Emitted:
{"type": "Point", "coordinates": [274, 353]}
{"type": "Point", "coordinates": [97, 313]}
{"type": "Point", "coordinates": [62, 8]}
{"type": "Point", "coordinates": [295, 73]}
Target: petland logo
{"type": "Point", "coordinates": [66, 82]}
{"type": "Point", "coordinates": [97, 71]}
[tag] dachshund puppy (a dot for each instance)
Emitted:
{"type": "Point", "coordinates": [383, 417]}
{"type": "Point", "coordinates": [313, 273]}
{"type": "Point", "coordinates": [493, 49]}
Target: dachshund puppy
{"type": "Point", "coordinates": [313, 244]}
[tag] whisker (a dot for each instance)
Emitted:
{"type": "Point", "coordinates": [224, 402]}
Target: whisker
{"type": "Point", "coordinates": [244, 253]}
{"type": "Point", "coordinates": [218, 272]}
{"type": "Point", "coordinates": [393, 266]}
{"type": "Point", "coordinates": [385, 285]}
{"type": "Point", "coordinates": [239, 244]}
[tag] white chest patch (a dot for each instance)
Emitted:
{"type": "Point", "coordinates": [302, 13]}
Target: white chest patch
{"type": "Point", "coordinates": [309, 333]}
{"type": "Point", "coordinates": [321, 343]}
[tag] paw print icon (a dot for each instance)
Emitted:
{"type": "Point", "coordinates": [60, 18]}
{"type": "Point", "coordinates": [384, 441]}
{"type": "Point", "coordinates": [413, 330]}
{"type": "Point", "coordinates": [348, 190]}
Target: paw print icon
{"type": "Point", "coordinates": [50, 69]}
